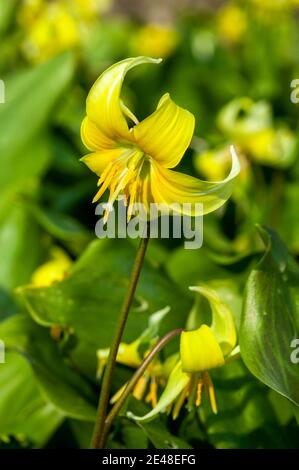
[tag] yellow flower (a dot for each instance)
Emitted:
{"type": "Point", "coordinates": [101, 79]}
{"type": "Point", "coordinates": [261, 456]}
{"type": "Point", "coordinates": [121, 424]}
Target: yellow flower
{"type": "Point", "coordinates": [128, 354]}
{"type": "Point", "coordinates": [213, 164]}
{"type": "Point", "coordinates": [200, 351]}
{"type": "Point", "coordinates": [231, 23]}
{"type": "Point", "coordinates": [275, 147]}
{"type": "Point", "coordinates": [51, 30]}
{"type": "Point", "coordinates": [51, 27]}
{"type": "Point", "coordinates": [53, 270]}
{"type": "Point", "coordinates": [137, 161]}
{"type": "Point", "coordinates": [251, 126]}
{"type": "Point", "coordinates": [155, 40]}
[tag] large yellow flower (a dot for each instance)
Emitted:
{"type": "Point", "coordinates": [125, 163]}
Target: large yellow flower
{"type": "Point", "coordinates": [201, 350]}
{"type": "Point", "coordinates": [137, 161]}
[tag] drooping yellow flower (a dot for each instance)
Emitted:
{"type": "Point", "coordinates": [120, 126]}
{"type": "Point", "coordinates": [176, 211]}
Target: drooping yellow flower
{"type": "Point", "coordinates": [53, 270]}
{"type": "Point", "coordinates": [136, 161]}
{"type": "Point", "coordinates": [250, 124]}
{"type": "Point", "coordinates": [200, 351]}
{"type": "Point", "coordinates": [155, 40]}
{"type": "Point", "coordinates": [213, 164]}
{"type": "Point", "coordinates": [129, 355]}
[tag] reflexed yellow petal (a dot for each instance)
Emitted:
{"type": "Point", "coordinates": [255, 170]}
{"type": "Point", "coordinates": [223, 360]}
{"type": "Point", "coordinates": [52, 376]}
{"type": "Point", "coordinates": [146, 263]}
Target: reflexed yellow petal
{"type": "Point", "coordinates": [98, 161]}
{"type": "Point", "coordinates": [200, 350]}
{"type": "Point", "coordinates": [176, 383]}
{"type": "Point", "coordinates": [93, 138]}
{"type": "Point", "coordinates": [170, 187]}
{"type": "Point", "coordinates": [242, 118]}
{"type": "Point", "coordinates": [128, 354]}
{"type": "Point", "coordinates": [223, 325]}
{"type": "Point", "coordinates": [166, 134]}
{"type": "Point", "coordinates": [103, 105]}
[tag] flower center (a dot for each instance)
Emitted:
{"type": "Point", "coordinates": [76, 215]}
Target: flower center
{"type": "Point", "coordinates": [126, 175]}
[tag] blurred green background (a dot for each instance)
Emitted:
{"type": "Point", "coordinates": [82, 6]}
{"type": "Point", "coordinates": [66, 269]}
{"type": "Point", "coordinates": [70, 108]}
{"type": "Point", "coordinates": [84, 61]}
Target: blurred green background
{"type": "Point", "coordinates": [231, 64]}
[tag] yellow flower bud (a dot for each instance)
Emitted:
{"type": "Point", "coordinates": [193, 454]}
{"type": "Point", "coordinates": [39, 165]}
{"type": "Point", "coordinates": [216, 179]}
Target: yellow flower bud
{"type": "Point", "coordinates": [200, 350]}
{"type": "Point", "coordinates": [53, 270]}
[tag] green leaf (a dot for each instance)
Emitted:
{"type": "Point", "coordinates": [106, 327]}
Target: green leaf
{"type": "Point", "coordinates": [60, 384]}
{"type": "Point", "coordinates": [156, 431]}
{"type": "Point", "coordinates": [270, 319]}
{"type": "Point", "coordinates": [61, 226]}
{"type": "Point", "coordinates": [23, 409]}
{"type": "Point", "coordinates": [7, 8]}
{"type": "Point", "coordinates": [89, 300]}
{"type": "Point", "coordinates": [35, 159]}
{"type": "Point", "coordinates": [29, 95]}
{"type": "Point", "coordinates": [21, 247]}
{"type": "Point", "coordinates": [190, 267]}
{"type": "Point", "coordinates": [246, 417]}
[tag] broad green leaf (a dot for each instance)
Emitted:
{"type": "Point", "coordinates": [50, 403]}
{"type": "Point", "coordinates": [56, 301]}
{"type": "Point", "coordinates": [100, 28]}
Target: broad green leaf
{"type": "Point", "coordinates": [30, 95]}
{"type": "Point", "coordinates": [161, 438]}
{"type": "Point", "coordinates": [35, 160]}
{"type": "Point", "coordinates": [190, 267]}
{"type": "Point", "coordinates": [156, 431]}
{"type": "Point", "coordinates": [70, 394]}
{"type": "Point", "coordinates": [21, 247]}
{"type": "Point", "coordinates": [23, 409]}
{"type": "Point", "coordinates": [89, 300]}
{"type": "Point", "coordinates": [61, 226]}
{"type": "Point", "coordinates": [132, 436]}
{"type": "Point", "coordinates": [270, 320]}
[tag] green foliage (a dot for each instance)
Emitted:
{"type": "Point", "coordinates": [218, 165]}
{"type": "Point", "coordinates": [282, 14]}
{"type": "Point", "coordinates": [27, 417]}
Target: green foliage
{"type": "Point", "coordinates": [270, 320]}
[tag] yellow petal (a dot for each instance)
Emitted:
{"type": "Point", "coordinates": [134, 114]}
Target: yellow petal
{"type": "Point", "coordinates": [166, 134]}
{"type": "Point", "coordinates": [103, 105]}
{"type": "Point", "coordinates": [170, 187]}
{"type": "Point", "coordinates": [128, 354]}
{"type": "Point", "coordinates": [177, 381]}
{"type": "Point", "coordinates": [98, 161]}
{"type": "Point", "coordinates": [93, 138]}
{"type": "Point", "coordinates": [200, 350]}
{"type": "Point", "coordinates": [223, 324]}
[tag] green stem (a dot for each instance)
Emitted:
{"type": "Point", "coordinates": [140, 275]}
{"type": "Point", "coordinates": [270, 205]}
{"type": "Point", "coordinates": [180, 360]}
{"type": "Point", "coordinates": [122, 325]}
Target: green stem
{"type": "Point", "coordinates": [97, 438]}
{"type": "Point", "coordinates": [133, 381]}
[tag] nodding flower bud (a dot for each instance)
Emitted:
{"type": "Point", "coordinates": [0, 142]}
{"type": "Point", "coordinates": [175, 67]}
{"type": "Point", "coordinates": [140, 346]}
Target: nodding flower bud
{"type": "Point", "coordinates": [200, 351]}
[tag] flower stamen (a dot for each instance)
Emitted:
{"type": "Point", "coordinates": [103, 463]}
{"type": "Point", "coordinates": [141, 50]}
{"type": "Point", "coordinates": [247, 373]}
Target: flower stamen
{"type": "Point", "coordinates": [210, 388]}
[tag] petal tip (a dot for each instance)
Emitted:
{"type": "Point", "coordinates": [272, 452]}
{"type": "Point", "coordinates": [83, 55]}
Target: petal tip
{"type": "Point", "coordinates": [235, 161]}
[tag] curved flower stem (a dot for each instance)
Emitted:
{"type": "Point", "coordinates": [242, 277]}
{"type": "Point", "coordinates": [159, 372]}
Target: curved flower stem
{"type": "Point", "coordinates": [97, 438]}
{"type": "Point", "coordinates": [133, 381]}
